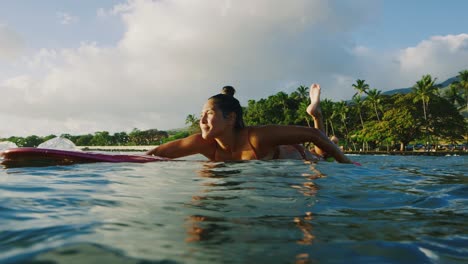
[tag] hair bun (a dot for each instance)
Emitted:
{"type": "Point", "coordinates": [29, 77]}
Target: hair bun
{"type": "Point", "coordinates": [228, 90]}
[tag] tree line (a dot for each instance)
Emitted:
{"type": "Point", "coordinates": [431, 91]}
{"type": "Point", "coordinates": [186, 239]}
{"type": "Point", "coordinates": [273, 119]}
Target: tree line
{"type": "Point", "coordinates": [103, 138]}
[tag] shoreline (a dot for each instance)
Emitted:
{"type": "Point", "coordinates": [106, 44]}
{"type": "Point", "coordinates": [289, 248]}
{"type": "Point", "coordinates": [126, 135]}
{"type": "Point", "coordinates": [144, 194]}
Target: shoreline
{"type": "Point", "coordinates": [116, 148]}
{"type": "Point", "coordinates": [409, 153]}
{"type": "Point", "coordinates": [394, 153]}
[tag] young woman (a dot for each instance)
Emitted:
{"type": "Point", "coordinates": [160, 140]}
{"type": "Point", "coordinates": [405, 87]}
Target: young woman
{"type": "Point", "coordinates": [224, 137]}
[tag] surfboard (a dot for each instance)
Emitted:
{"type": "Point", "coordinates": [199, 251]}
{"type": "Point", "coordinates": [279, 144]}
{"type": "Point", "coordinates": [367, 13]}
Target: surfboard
{"type": "Point", "coordinates": [35, 157]}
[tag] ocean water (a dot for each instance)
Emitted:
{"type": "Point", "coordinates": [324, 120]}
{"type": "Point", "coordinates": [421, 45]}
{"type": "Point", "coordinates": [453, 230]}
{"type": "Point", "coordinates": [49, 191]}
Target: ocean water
{"type": "Point", "coordinates": [392, 209]}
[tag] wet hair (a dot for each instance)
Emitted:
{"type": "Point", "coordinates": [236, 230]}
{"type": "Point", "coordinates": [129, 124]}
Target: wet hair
{"type": "Point", "coordinates": [226, 102]}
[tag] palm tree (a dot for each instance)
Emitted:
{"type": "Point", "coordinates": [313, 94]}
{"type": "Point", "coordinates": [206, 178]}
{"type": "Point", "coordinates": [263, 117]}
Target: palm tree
{"type": "Point", "coordinates": [192, 120]}
{"type": "Point", "coordinates": [302, 113]}
{"type": "Point", "coordinates": [282, 99]}
{"type": "Point", "coordinates": [359, 103]}
{"type": "Point", "coordinates": [328, 114]}
{"type": "Point", "coordinates": [342, 109]}
{"type": "Point", "coordinates": [303, 92]}
{"type": "Point", "coordinates": [462, 84]}
{"type": "Point", "coordinates": [361, 86]}
{"type": "Point", "coordinates": [424, 90]}
{"type": "Point", "coordinates": [373, 97]}
{"type": "Point", "coordinates": [357, 100]}
{"type": "Point", "coordinates": [454, 97]}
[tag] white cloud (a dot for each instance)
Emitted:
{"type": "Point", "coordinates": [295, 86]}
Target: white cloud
{"type": "Point", "coordinates": [441, 56]}
{"type": "Point", "coordinates": [11, 43]}
{"type": "Point", "coordinates": [66, 18]}
{"type": "Point", "coordinates": [175, 54]}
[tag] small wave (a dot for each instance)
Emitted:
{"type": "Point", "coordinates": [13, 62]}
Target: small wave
{"type": "Point", "coordinates": [58, 143]}
{"type": "Point", "coordinates": [4, 145]}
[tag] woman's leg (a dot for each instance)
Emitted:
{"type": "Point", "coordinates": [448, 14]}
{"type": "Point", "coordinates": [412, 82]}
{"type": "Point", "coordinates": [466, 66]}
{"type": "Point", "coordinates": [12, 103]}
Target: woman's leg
{"type": "Point", "coordinates": [315, 112]}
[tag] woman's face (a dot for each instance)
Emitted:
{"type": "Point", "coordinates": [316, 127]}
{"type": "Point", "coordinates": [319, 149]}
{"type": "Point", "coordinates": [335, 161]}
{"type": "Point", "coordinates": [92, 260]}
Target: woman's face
{"type": "Point", "coordinates": [212, 121]}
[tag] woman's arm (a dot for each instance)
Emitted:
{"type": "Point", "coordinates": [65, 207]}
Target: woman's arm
{"type": "Point", "coordinates": [190, 145]}
{"type": "Point", "coordinates": [266, 137]}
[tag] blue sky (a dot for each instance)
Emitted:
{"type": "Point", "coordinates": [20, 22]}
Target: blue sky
{"type": "Point", "coordinates": [399, 23]}
{"type": "Point", "coordinates": [39, 22]}
{"type": "Point", "coordinates": [85, 66]}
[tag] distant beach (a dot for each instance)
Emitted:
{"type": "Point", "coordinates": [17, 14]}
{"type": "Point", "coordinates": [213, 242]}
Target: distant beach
{"type": "Point", "coordinates": [116, 148]}
{"type": "Point", "coordinates": [409, 153]}
{"type": "Point", "coordinates": [402, 153]}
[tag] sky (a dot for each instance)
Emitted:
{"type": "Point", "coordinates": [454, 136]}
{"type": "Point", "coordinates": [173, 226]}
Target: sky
{"type": "Point", "coordinates": [79, 67]}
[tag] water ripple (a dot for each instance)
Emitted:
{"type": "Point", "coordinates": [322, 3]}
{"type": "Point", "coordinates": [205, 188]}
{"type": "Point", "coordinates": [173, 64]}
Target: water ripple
{"type": "Point", "coordinates": [390, 210]}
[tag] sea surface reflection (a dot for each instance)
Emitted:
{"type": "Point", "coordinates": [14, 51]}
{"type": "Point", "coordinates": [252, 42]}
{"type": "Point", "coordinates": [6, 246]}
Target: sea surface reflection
{"type": "Point", "coordinates": [390, 210]}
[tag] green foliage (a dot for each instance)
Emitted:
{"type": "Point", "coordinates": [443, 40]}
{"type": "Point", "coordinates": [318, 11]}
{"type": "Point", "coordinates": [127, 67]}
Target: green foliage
{"type": "Point", "coordinates": [374, 99]}
{"type": "Point", "coordinates": [401, 123]}
{"type": "Point", "coordinates": [445, 121]}
{"type": "Point", "coordinates": [453, 95]}
{"type": "Point", "coordinates": [84, 140]}
{"type": "Point", "coordinates": [32, 141]}
{"type": "Point", "coordinates": [193, 122]}
{"type": "Point", "coordinates": [101, 138]}
{"type": "Point", "coordinates": [361, 86]}
{"type": "Point", "coordinates": [424, 90]}
{"type": "Point", "coordinates": [179, 135]}
{"type": "Point", "coordinates": [359, 104]}
{"type": "Point", "coordinates": [146, 137]}
{"type": "Point", "coordinates": [281, 109]}
{"type": "Point", "coordinates": [461, 85]}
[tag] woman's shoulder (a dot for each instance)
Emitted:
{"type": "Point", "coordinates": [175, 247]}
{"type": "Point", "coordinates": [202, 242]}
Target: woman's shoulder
{"type": "Point", "coordinates": [198, 138]}
{"type": "Point", "coordinates": [261, 128]}
{"type": "Point", "coordinates": [203, 146]}
{"type": "Point", "coordinates": [258, 135]}
{"type": "Point", "coordinates": [264, 130]}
